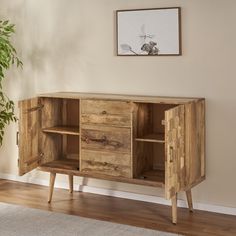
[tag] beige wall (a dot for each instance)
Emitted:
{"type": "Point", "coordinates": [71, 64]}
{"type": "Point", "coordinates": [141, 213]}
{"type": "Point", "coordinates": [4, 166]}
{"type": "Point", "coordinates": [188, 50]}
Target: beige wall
{"type": "Point", "coordinates": [69, 46]}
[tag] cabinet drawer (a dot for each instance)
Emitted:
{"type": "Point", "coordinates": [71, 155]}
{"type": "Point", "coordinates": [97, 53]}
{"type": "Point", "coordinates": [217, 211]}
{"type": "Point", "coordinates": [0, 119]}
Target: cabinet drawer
{"type": "Point", "coordinates": [108, 163]}
{"type": "Point", "coordinates": [106, 138]}
{"type": "Point", "coordinates": [103, 112]}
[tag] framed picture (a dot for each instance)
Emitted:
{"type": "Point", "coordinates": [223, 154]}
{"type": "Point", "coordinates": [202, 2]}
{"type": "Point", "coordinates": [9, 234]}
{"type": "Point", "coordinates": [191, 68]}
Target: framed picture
{"type": "Point", "coordinates": [149, 32]}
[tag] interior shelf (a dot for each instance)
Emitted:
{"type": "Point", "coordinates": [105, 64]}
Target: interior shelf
{"type": "Point", "coordinates": [153, 138]}
{"type": "Point", "coordinates": [153, 175]}
{"type": "Point", "coordinates": [68, 164]}
{"type": "Point", "coordinates": [71, 130]}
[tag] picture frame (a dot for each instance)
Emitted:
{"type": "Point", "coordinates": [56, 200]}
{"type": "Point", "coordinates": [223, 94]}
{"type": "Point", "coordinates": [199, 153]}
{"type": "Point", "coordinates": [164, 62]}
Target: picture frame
{"type": "Point", "coordinates": [149, 32]}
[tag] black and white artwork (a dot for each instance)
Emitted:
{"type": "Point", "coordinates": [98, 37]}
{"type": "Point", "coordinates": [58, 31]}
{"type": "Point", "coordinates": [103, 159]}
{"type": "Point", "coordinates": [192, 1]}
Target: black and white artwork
{"type": "Point", "coordinates": [148, 32]}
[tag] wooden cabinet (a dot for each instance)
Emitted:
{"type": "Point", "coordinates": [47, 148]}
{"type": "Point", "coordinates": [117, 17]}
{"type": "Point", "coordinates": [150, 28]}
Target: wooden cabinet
{"type": "Point", "coordinates": [154, 141]}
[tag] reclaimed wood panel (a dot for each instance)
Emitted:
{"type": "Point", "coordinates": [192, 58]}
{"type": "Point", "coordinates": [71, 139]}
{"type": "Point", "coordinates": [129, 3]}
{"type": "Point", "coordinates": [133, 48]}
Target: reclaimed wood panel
{"type": "Point", "coordinates": [29, 135]}
{"type": "Point", "coordinates": [108, 163]}
{"type": "Point", "coordinates": [175, 151]}
{"type": "Point", "coordinates": [106, 138]}
{"type": "Point", "coordinates": [102, 112]}
{"type": "Point", "coordinates": [195, 142]}
{"type": "Point", "coordinates": [98, 167]}
{"type": "Point", "coordinates": [51, 116]}
{"type": "Point", "coordinates": [123, 159]}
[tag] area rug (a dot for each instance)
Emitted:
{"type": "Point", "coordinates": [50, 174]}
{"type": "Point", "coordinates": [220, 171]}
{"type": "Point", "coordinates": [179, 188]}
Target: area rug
{"type": "Point", "coordinates": [22, 221]}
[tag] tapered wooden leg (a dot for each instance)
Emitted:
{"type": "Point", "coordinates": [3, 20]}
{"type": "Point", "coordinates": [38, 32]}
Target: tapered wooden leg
{"type": "Point", "coordinates": [189, 199]}
{"type": "Point", "coordinates": [174, 209]}
{"type": "Point", "coordinates": [51, 186]}
{"type": "Point", "coordinates": [71, 183]}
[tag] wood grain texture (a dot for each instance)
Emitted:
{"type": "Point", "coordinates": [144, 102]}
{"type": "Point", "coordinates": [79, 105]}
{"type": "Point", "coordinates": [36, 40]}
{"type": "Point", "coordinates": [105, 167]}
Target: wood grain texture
{"type": "Point", "coordinates": [115, 113]}
{"type": "Point", "coordinates": [149, 127]}
{"type": "Point", "coordinates": [118, 210]}
{"type": "Point", "coordinates": [51, 167]}
{"type": "Point", "coordinates": [71, 118]}
{"type": "Point", "coordinates": [30, 153]}
{"type": "Point", "coordinates": [175, 151]}
{"type": "Point", "coordinates": [153, 141]}
{"type": "Point", "coordinates": [106, 138]}
{"type": "Point", "coordinates": [51, 116]}
{"type": "Point", "coordinates": [195, 142]}
{"type": "Point", "coordinates": [62, 130]}
{"type": "Point", "coordinates": [66, 164]}
{"type": "Point", "coordinates": [51, 186]}
{"type": "Point", "coordinates": [115, 164]}
{"type": "Point", "coordinates": [189, 200]}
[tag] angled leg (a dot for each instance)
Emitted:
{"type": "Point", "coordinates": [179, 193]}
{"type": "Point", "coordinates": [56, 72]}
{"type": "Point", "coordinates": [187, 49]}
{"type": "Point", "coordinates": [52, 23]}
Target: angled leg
{"type": "Point", "coordinates": [189, 199]}
{"type": "Point", "coordinates": [51, 186]}
{"type": "Point", "coordinates": [174, 209]}
{"type": "Point", "coordinates": [71, 183]}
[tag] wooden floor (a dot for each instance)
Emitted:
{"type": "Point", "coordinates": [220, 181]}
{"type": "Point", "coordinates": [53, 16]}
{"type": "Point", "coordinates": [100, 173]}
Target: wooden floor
{"type": "Point", "coordinates": [137, 213]}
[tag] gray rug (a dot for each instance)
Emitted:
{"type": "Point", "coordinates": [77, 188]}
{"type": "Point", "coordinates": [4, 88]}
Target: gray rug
{"type": "Point", "coordinates": [23, 221]}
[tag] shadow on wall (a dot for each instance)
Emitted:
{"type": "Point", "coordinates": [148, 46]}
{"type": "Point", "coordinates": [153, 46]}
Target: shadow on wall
{"type": "Point", "coordinates": [48, 41]}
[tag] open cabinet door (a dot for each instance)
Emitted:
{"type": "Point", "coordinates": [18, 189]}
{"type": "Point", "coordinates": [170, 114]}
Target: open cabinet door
{"type": "Point", "coordinates": [175, 150]}
{"type": "Point", "coordinates": [29, 135]}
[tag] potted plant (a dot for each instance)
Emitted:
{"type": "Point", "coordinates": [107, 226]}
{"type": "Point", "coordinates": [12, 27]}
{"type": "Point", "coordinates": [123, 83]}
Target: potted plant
{"type": "Point", "coordinates": [8, 57]}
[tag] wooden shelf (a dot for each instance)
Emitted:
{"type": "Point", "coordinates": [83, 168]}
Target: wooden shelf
{"type": "Point", "coordinates": [153, 138]}
{"type": "Point", "coordinates": [153, 175]}
{"type": "Point", "coordinates": [66, 164]}
{"type": "Point", "coordinates": [71, 130]}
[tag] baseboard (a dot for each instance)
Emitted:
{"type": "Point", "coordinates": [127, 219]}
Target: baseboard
{"type": "Point", "coordinates": [128, 195]}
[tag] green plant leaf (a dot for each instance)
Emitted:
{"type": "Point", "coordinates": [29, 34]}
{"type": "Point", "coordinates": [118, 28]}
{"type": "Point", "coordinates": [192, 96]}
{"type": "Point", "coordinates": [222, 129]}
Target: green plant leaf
{"type": "Point", "coordinates": [8, 57]}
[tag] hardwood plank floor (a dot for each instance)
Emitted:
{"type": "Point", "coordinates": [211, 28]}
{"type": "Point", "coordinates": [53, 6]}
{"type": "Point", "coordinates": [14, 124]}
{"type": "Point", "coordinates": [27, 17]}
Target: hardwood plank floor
{"type": "Point", "coordinates": [136, 213]}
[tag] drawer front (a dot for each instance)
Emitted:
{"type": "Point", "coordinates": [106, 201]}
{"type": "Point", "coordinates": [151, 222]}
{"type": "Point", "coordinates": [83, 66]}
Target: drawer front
{"type": "Point", "coordinates": [103, 138]}
{"type": "Point", "coordinates": [106, 163]}
{"type": "Point", "coordinates": [103, 112]}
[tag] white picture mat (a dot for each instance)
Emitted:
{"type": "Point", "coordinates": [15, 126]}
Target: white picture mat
{"type": "Point", "coordinates": [162, 24]}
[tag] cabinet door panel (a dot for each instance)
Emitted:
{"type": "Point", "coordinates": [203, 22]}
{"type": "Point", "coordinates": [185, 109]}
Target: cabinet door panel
{"type": "Point", "coordinates": [106, 163]}
{"type": "Point", "coordinates": [29, 135]}
{"type": "Point", "coordinates": [106, 138]}
{"type": "Point", "coordinates": [195, 142]}
{"type": "Point", "coordinates": [175, 150]}
{"type": "Point", "coordinates": [101, 112]}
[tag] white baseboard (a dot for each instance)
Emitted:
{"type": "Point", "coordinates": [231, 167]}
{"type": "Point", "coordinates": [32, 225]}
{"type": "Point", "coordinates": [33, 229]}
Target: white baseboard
{"type": "Point", "coordinates": [121, 194]}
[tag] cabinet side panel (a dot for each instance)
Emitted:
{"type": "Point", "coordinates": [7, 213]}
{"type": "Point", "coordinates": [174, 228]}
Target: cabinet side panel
{"type": "Point", "coordinates": [195, 142]}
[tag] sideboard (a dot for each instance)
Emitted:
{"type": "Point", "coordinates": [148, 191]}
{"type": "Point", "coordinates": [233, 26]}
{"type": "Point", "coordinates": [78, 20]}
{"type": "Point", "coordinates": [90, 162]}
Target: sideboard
{"type": "Point", "coordinates": [143, 140]}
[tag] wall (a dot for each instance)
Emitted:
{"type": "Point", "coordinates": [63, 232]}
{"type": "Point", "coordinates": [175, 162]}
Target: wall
{"type": "Point", "coordinates": [69, 46]}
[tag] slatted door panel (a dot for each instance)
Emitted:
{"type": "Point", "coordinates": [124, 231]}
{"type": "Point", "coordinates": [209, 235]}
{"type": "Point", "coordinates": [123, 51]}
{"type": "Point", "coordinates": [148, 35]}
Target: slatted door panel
{"type": "Point", "coordinates": [175, 150]}
{"type": "Point", "coordinates": [29, 128]}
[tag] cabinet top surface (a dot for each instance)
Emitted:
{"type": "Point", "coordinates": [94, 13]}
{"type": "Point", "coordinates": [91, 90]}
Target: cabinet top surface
{"type": "Point", "coordinates": [121, 97]}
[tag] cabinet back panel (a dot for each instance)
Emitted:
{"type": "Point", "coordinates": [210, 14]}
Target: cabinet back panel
{"type": "Point", "coordinates": [51, 116]}
{"type": "Point", "coordinates": [72, 112]}
{"type": "Point", "coordinates": [72, 151]}
{"type": "Point", "coordinates": [52, 147]}
{"type": "Point", "coordinates": [51, 112]}
{"type": "Point", "coordinates": [150, 117]}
